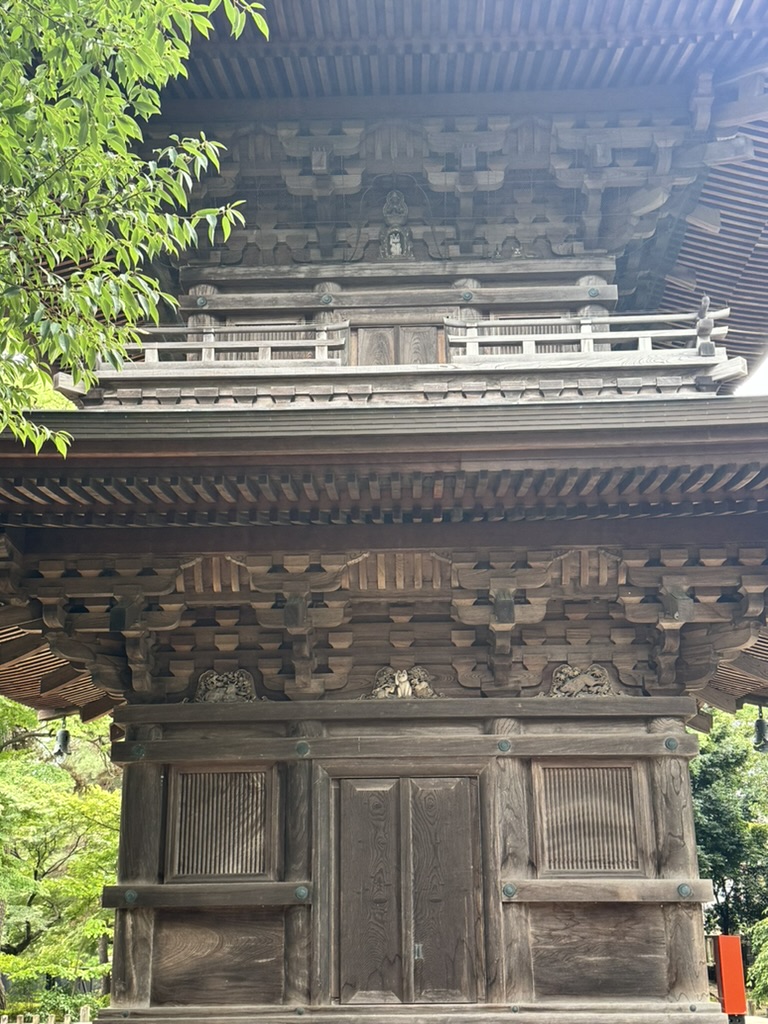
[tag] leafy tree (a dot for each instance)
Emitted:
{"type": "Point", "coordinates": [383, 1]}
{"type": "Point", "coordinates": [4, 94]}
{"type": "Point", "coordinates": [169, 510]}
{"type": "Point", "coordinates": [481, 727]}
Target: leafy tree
{"type": "Point", "coordinates": [58, 840]}
{"type": "Point", "coordinates": [82, 211]}
{"type": "Point", "coordinates": [730, 787]}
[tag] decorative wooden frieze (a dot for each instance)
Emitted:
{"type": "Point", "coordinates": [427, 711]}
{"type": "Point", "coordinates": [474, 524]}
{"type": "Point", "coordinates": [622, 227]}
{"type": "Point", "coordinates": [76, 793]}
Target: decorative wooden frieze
{"type": "Point", "coordinates": [477, 165]}
{"type": "Point", "coordinates": [491, 622]}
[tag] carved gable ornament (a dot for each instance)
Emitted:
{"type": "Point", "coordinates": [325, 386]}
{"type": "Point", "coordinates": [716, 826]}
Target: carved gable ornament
{"type": "Point", "coordinates": [569, 681]}
{"type": "Point", "coordinates": [225, 687]}
{"type": "Point", "coordinates": [395, 237]}
{"type": "Point", "coordinates": [390, 683]}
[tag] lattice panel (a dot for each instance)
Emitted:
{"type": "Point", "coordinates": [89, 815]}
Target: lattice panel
{"type": "Point", "coordinates": [220, 825]}
{"type": "Point", "coordinates": [588, 820]}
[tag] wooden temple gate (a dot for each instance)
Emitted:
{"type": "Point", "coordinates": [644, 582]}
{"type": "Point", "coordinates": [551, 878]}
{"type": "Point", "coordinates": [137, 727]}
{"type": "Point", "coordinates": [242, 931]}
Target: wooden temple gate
{"type": "Point", "coordinates": [404, 558]}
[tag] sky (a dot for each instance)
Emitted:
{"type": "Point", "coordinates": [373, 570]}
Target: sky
{"type": "Point", "coordinates": [757, 382]}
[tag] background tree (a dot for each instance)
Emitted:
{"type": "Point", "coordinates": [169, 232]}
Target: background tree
{"type": "Point", "coordinates": [82, 212]}
{"type": "Point", "coordinates": [730, 788]}
{"type": "Point", "coordinates": [58, 842]}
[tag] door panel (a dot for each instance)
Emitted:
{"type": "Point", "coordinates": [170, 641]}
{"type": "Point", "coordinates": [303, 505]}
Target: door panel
{"type": "Point", "coordinates": [443, 890]}
{"type": "Point", "coordinates": [376, 347]}
{"type": "Point", "coordinates": [409, 891]}
{"type": "Point", "coordinates": [390, 346]}
{"type": "Point", "coordinates": [418, 345]}
{"type": "Point", "coordinates": [371, 908]}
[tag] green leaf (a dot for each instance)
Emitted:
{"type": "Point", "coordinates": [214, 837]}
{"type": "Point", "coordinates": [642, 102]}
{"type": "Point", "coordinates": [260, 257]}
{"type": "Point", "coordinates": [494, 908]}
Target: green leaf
{"type": "Point", "coordinates": [82, 211]}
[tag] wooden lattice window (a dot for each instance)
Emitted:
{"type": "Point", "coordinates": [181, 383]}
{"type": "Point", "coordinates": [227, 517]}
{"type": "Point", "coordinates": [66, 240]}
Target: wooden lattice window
{"type": "Point", "coordinates": [591, 819]}
{"type": "Point", "coordinates": [221, 824]}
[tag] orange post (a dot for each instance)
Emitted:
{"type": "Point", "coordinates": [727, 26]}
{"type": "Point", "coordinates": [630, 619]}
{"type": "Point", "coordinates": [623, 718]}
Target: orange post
{"type": "Point", "coordinates": [730, 974]}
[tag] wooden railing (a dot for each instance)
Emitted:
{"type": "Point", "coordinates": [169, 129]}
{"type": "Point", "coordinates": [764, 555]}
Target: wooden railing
{"type": "Point", "coordinates": [576, 335]}
{"type": "Point", "coordinates": [514, 339]}
{"type": "Point", "coordinates": [263, 343]}
{"type": "Point", "coordinates": [83, 1017]}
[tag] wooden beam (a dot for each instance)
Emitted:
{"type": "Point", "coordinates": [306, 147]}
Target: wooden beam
{"type": "Point", "coordinates": [27, 615]}
{"type": "Point", "coordinates": [182, 751]}
{"type": "Point", "coordinates": [578, 102]}
{"type": "Point", "coordinates": [718, 698]}
{"type": "Point", "coordinates": [607, 890]}
{"type": "Point", "coordinates": [701, 722]}
{"type": "Point", "coordinates": [97, 708]}
{"type": "Point", "coordinates": [708, 532]}
{"type": "Point", "coordinates": [517, 295]}
{"type": "Point", "coordinates": [208, 894]}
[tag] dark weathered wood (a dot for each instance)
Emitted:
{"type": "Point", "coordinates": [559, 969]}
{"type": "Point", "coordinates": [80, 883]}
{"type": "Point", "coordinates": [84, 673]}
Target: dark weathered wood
{"type": "Point", "coordinates": [297, 866]}
{"type": "Point", "coordinates": [140, 853]}
{"type": "Point", "coordinates": [514, 796]}
{"type": "Point", "coordinates": [572, 945]}
{"type": "Point", "coordinates": [208, 894]}
{"type": "Point", "coordinates": [446, 898]}
{"type": "Point", "coordinates": [325, 936]}
{"type": "Point", "coordinates": [199, 802]}
{"type": "Point", "coordinates": [209, 957]}
{"type": "Point", "coordinates": [686, 962]}
{"type": "Point", "coordinates": [546, 1011]}
{"type": "Point", "coordinates": [132, 964]}
{"type": "Point", "coordinates": [21, 647]}
{"type": "Point", "coordinates": [673, 812]}
{"type": "Point", "coordinates": [489, 709]}
{"type": "Point", "coordinates": [58, 679]}
{"type": "Point", "coordinates": [180, 751]}
{"type": "Point", "coordinates": [591, 819]}
{"type": "Point", "coordinates": [496, 962]}
{"type": "Point", "coordinates": [608, 890]}
{"type": "Point", "coordinates": [370, 953]}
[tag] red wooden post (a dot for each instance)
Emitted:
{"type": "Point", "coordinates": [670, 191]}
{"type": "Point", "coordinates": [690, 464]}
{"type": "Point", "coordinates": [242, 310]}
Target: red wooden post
{"type": "Point", "coordinates": [730, 974]}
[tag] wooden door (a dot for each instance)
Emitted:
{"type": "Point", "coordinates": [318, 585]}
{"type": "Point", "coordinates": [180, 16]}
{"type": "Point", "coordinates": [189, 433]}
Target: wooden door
{"type": "Point", "coordinates": [410, 923]}
{"type": "Point", "coordinates": [400, 345]}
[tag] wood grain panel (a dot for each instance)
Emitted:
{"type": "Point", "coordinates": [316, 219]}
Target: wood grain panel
{"type": "Point", "coordinates": [587, 820]}
{"type": "Point", "coordinates": [371, 966]}
{"type": "Point", "coordinates": [376, 347]}
{"type": "Point", "coordinates": [609, 950]}
{"type": "Point", "coordinates": [213, 958]}
{"type": "Point", "coordinates": [219, 825]}
{"type": "Point", "coordinates": [447, 916]}
{"type": "Point", "coordinates": [418, 345]}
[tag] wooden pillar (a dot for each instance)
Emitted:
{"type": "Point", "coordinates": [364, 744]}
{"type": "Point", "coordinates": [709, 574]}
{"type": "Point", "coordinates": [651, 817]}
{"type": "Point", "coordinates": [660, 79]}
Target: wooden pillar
{"type": "Point", "coordinates": [139, 862]}
{"type": "Point", "coordinates": [677, 859]}
{"type": "Point", "coordinates": [512, 784]}
{"type": "Point", "coordinates": [298, 866]}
